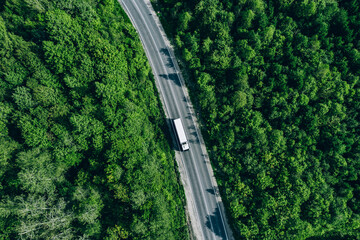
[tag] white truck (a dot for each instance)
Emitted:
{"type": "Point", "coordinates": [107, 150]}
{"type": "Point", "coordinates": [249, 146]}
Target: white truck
{"type": "Point", "coordinates": [180, 134]}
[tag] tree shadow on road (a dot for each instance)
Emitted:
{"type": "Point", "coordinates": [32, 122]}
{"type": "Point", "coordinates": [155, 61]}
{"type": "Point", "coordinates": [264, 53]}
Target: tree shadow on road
{"type": "Point", "coordinates": [213, 221]}
{"type": "Point", "coordinates": [169, 62]}
{"type": "Point", "coordinates": [210, 190]}
{"type": "Point", "coordinates": [172, 76]}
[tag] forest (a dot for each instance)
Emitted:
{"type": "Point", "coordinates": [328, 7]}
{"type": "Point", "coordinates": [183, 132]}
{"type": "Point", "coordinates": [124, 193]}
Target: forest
{"type": "Point", "coordinates": [84, 150]}
{"type": "Point", "coordinates": [276, 86]}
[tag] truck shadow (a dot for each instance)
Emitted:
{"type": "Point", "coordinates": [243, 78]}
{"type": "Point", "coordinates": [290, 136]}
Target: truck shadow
{"type": "Point", "coordinates": [171, 136]}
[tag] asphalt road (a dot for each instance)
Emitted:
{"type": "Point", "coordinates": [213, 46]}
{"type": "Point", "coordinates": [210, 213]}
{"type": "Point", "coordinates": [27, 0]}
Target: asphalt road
{"type": "Point", "coordinates": [208, 215]}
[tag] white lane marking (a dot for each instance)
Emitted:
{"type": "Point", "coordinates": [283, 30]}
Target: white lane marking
{"type": "Point", "coordinates": [133, 21]}
{"type": "Point", "coordinates": [201, 186]}
{"type": "Point", "coordinates": [177, 72]}
{"type": "Point", "coordinates": [198, 136]}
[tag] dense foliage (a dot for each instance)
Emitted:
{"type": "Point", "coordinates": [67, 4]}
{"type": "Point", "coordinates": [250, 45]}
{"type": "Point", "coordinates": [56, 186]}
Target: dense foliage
{"type": "Point", "coordinates": [277, 86]}
{"type": "Point", "coordinates": [83, 153]}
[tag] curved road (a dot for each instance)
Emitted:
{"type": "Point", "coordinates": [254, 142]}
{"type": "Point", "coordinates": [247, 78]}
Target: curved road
{"type": "Point", "coordinates": [206, 209]}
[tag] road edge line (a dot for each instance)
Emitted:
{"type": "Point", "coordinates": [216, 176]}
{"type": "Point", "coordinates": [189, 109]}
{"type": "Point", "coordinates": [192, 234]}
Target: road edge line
{"type": "Point", "coordinates": [192, 111]}
{"type": "Point", "coordinates": [190, 205]}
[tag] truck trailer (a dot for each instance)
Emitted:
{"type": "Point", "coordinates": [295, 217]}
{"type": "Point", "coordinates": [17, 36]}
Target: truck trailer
{"type": "Point", "coordinates": [180, 134]}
